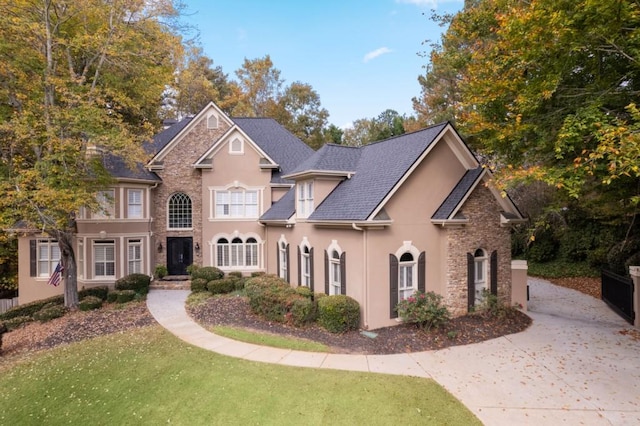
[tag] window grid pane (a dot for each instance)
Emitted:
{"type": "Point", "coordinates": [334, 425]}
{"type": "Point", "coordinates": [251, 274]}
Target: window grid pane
{"type": "Point", "coordinates": [104, 259]}
{"type": "Point", "coordinates": [134, 208]}
{"type": "Point", "coordinates": [180, 211]}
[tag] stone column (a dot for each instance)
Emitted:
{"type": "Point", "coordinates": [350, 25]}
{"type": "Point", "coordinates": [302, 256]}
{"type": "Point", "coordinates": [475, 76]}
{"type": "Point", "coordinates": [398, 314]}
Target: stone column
{"type": "Point", "coordinates": [634, 271]}
{"type": "Point", "coordinates": [519, 283]}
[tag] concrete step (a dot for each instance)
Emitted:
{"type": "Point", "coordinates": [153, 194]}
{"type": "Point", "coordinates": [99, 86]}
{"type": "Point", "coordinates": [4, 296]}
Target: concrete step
{"type": "Point", "coordinates": [170, 285]}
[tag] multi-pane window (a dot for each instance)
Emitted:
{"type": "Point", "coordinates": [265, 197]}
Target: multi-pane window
{"type": "Point", "coordinates": [80, 259]}
{"type": "Point", "coordinates": [134, 256]}
{"type": "Point", "coordinates": [306, 267]}
{"type": "Point", "coordinates": [282, 256]}
{"type": "Point", "coordinates": [48, 257]}
{"type": "Point", "coordinates": [334, 272]}
{"type": "Point", "coordinates": [238, 253]}
{"type": "Point", "coordinates": [180, 211]}
{"type": "Point", "coordinates": [104, 258]}
{"type": "Point", "coordinates": [106, 204]}
{"type": "Point", "coordinates": [134, 204]}
{"type": "Point", "coordinates": [236, 204]}
{"type": "Point", "coordinates": [406, 276]}
{"type": "Point", "coordinates": [222, 252]}
{"type": "Point", "coordinates": [305, 199]}
{"type": "Point", "coordinates": [480, 274]}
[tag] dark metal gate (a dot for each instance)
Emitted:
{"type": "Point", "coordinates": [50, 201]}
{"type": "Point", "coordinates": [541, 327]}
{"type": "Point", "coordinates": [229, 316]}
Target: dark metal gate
{"type": "Point", "coordinates": [617, 292]}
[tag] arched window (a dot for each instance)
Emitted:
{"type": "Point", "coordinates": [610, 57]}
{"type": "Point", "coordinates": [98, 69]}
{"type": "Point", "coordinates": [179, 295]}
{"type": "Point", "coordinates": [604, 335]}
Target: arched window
{"type": "Point", "coordinates": [335, 275]}
{"type": "Point", "coordinates": [222, 250]}
{"type": "Point", "coordinates": [212, 122]}
{"type": "Point", "coordinates": [480, 274]}
{"type": "Point", "coordinates": [237, 248]}
{"type": "Point", "coordinates": [283, 260]}
{"type": "Point", "coordinates": [251, 252]}
{"type": "Point", "coordinates": [180, 211]}
{"type": "Point", "coordinates": [406, 276]}
{"type": "Point", "coordinates": [306, 266]}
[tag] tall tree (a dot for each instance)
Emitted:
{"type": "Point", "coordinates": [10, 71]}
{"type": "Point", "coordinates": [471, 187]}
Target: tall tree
{"type": "Point", "coordinates": [261, 86]}
{"type": "Point", "coordinates": [89, 73]}
{"type": "Point", "coordinates": [548, 88]}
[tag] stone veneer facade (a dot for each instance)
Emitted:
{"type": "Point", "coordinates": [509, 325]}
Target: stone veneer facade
{"type": "Point", "coordinates": [483, 231]}
{"type": "Point", "coordinates": [179, 175]}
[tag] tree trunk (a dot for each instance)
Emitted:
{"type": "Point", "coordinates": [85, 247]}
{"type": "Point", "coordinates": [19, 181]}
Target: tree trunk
{"type": "Point", "coordinates": [70, 274]}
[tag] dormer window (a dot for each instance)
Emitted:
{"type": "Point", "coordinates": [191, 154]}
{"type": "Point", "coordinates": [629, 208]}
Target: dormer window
{"type": "Point", "coordinates": [212, 122]}
{"type": "Point", "coordinates": [236, 146]}
{"type": "Point", "coordinates": [305, 199]}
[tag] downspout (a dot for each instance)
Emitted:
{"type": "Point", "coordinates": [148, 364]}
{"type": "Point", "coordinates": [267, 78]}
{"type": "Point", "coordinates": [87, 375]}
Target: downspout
{"type": "Point", "coordinates": [151, 240]}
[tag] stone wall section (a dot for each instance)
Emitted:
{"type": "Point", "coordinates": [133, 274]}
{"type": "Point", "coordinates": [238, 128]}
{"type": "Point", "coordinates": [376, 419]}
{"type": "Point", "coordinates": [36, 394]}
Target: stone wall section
{"type": "Point", "coordinates": [482, 231]}
{"type": "Point", "coordinates": [179, 175]}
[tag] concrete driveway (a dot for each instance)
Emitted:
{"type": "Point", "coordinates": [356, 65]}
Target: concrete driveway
{"type": "Point", "coordinates": [579, 363]}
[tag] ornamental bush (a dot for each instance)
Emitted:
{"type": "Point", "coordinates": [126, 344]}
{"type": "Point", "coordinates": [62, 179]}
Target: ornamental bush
{"type": "Point", "coordinates": [100, 292]}
{"type": "Point", "coordinates": [426, 310]}
{"type": "Point", "coordinates": [338, 313]}
{"type": "Point", "coordinates": [222, 286]}
{"type": "Point", "coordinates": [50, 312]}
{"type": "Point", "coordinates": [198, 284]}
{"type": "Point", "coordinates": [90, 303]}
{"type": "Point", "coordinates": [209, 273]}
{"type": "Point", "coordinates": [16, 322]}
{"type": "Point", "coordinates": [273, 298]}
{"type": "Point", "coordinates": [112, 297]}
{"type": "Point", "coordinates": [136, 282]}
{"type": "Point", "coordinates": [125, 296]}
{"type": "Point", "coordinates": [161, 271]}
{"type": "Point", "coordinates": [303, 311]}
{"type": "Point", "coordinates": [28, 309]}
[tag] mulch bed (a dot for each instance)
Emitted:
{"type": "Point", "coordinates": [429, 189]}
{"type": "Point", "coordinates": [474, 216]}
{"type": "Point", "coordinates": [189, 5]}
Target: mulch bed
{"type": "Point", "coordinates": [235, 312]}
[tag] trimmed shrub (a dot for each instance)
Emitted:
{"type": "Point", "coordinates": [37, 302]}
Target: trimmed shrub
{"type": "Point", "coordinates": [303, 311]}
{"type": "Point", "coordinates": [305, 292]}
{"type": "Point", "coordinates": [235, 274]}
{"type": "Point", "coordinates": [112, 297]}
{"type": "Point", "coordinates": [125, 296]}
{"type": "Point", "coordinates": [28, 309]}
{"type": "Point", "coordinates": [426, 310]}
{"type": "Point", "coordinates": [16, 322]}
{"type": "Point", "coordinates": [136, 282]}
{"type": "Point", "coordinates": [198, 284]}
{"type": "Point", "coordinates": [257, 274]}
{"type": "Point", "coordinates": [90, 303]}
{"type": "Point", "coordinates": [50, 312]}
{"type": "Point", "coordinates": [99, 292]}
{"type": "Point", "coordinates": [222, 286]}
{"type": "Point", "coordinates": [209, 273]}
{"type": "Point", "coordinates": [161, 271]}
{"type": "Point", "coordinates": [338, 313]}
{"type": "Point", "coordinates": [271, 297]}
{"type": "Point", "coordinates": [240, 282]}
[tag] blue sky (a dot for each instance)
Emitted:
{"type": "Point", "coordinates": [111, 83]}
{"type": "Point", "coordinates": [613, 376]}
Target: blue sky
{"type": "Point", "coordinates": [360, 56]}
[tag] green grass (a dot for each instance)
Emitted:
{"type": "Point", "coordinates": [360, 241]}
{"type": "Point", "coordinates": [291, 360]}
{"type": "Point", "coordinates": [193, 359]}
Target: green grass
{"type": "Point", "coordinates": [269, 339]}
{"type": "Point", "coordinates": [149, 377]}
{"type": "Point", "coordinates": [562, 268]}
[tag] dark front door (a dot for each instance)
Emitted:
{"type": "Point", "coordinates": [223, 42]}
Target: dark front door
{"type": "Point", "coordinates": [179, 255]}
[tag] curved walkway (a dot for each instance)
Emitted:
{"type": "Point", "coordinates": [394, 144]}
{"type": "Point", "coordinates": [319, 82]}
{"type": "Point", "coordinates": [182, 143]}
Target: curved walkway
{"type": "Point", "coordinates": [572, 366]}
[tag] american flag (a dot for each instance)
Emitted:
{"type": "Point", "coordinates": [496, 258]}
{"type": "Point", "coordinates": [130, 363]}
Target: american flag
{"type": "Point", "coordinates": [56, 277]}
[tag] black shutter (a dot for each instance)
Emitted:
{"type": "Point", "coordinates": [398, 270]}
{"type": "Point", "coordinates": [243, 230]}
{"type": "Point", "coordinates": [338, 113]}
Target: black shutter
{"type": "Point", "coordinates": [326, 272]}
{"type": "Point", "coordinates": [299, 267]}
{"type": "Point", "coordinates": [278, 259]}
{"type": "Point", "coordinates": [33, 258]}
{"type": "Point", "coordinates": [393, 286]}
{"type": "Point", "coordinates": [288, 264]}
{"type": "Point", "coordinates": [494, 273]}
{"type": "Point", "coordinates": [421, 272]}
{"type": "Point", "coordinates": [472, 281]}
{"type": "Point", "coordinates": [343, 273]}
{"type": "Point", "coordinates": [311, 269]}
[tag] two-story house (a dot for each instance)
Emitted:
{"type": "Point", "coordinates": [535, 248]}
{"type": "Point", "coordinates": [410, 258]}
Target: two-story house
{"type": "Point", "coordinates": [415, 212]}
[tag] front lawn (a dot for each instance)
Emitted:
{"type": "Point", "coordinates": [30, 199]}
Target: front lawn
{"type": "Point", "coordinates": [147, 376]}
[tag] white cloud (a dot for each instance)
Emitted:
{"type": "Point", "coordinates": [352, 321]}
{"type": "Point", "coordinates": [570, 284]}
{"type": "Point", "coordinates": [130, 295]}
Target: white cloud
{"type": "Point", "coordinates": [375, 53]}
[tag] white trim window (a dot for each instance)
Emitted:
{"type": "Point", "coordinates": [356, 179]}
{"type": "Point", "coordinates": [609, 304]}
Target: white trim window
{"type": "Point", "coordinates": [306, 266]}
{"type": "Point", "coordinates": [104, 258]}
{"type": "Point", "coordinates": [480, 274]}
{"type": "Point", "coordinates": [239, 204]}
{"type": "Point", "coordinates": [222, 252]}
{"type": "Point", "coordinates": [407, 277]}
{"type": "Point", "coordinates": [180, 211]}
{"type": "Point", "coordinates": [305, 199]}
{"type": "Point", "coordinates": [237, 254]}
{"type": "Point", "coordinates": [48, 257]}
{"type": "Point", "coordinates": [134, 256]}
{"type": "Point", "coordinates": [236, 146]}
{"type": "Point", "coordinates": [80, 255]}
{"type": "Point", "coordinates": [212, 121]}
{"type": "Point", "coordinates": [106, 204]}
{"type": "Point", "coordinates": [251, 252]}
{"type": "Point", "coordinates": [134, 204]}
{"type": "Point", "coordinates": [282, 253]}
{"type": "Point", "coordinates": [335, 277]}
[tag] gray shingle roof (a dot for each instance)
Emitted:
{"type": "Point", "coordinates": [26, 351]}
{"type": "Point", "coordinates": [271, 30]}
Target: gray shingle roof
{"type": "Point", "coordinates": [277, 142]}
{"type": "Point", "coordinates": [332, 157]}
{"type": "Point", "coordinates": [459, 193]}
{"type": "Point", "coordinates": [283, 209]}
{"type": "Point", "coordinates": [380, 167]}
{"type": "Point", "coordinates": [161, 139]}
{"type": "Point", "coordinates": [117, 167]}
